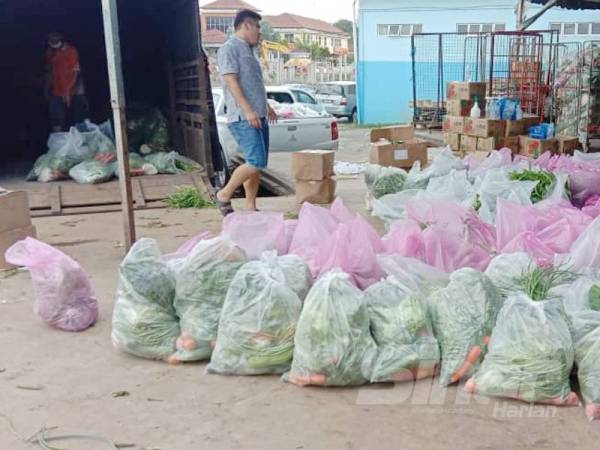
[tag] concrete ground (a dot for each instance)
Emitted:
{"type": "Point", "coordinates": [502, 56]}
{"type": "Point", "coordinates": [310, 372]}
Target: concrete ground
{"type": "Point", "coordinates": [51, 378]}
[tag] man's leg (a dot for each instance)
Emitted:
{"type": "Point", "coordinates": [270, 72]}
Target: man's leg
{"type": "Point", "coordinates": [239, 177]}
{"type": "Point", "coordinates": [57, 113]}
{"type": "Point", "coordinates": [251, 189]}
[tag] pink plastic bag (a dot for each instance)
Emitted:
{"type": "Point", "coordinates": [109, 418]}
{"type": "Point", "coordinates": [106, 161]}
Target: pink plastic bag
{"type": "Point", "coordinates": [185, 248]}
{"type": "Point", "coordinates": [64, 297]}
{"type": "Point", "coordinates": [353, 248]}
{"type": "Point", "coordinates": [405, 238]}
{"type": "Point", "coordinates": [449, 252]}
{"type": "Point", "coordinates": [290, 228]}
{"type": "Point", "coordinates": [340, 212]}
{"type": "Point", "coordinates": [528, 242]}
{"type": "Point", "coordinates": [256, 232]}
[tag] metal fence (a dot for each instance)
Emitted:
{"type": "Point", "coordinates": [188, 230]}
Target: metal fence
{"type": "Point", "coordinates": [513, 64]}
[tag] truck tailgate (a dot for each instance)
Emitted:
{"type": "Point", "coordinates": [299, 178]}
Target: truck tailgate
{"type": "Point", "coordinates": [289, 135]}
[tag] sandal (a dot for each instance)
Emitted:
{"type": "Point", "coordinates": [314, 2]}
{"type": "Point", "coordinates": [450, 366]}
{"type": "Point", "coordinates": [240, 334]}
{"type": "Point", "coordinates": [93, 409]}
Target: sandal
{"type": "Point", "coordinates": [224, 207]}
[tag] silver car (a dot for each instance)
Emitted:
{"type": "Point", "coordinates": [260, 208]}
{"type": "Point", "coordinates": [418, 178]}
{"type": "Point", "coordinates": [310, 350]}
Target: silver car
{"type": "Point", "coordinates": [339, 98]}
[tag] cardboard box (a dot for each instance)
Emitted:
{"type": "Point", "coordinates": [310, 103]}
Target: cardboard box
{"type": "Point", "coordinates": [314, 165]}
{"type": "Point", "coordinates": [466, 90]}
{"type": "Point", "coordinates": [567, 144]}
{"type": "Point", "coordinates": [496, 143]}
{"type": "Point", "coordinates": [535, 147]}
{"type": "Point", "coordinates": [8, 238]}
{"type": "Point", "coordinates": [397, 133]}
{"type": "Point", "coordinates": [461, 108]}
{"type": "Point", "coordinates": [14, 210]}
{"type": "Point", "coordinates": [468, 144]}
{"type": "Point", "coordinates": [402, 155]}
{"type": "Point", "coordinates": [529, 121]}
{"type": "Point", "coordinates": [320, 192]}
{"type": "Point", "coordinates": [483, 127]}
{"type": "Point", "coordinates": [453, 124]}
{"type": "Point", "coordinates": [453, 140]}
{"type": "Point", "coordinates": [515, 128]}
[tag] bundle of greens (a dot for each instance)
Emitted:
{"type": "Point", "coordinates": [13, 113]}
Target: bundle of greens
{"type": "Point", "coordinates": [172, 162]}
{"type": "Point", "coordinates": [545, 182]}
{"type": "Point", "coordinates": [258, 322]}
{"type": "Point", "coordinates": [406, 349]}
{"type": "Point", "coordinates": [531, 354]}
{"type": "Point", "coordinates": [463, 315]}
{"type": "Point", "coordinates": [202, 281]}
{"type": "Point", "coordinates": [148, 128]}
{"type": "Point", "coordinates": [144, 319]}
{"type": "Point", "coordinates": [92, 172]}
{"type": "Point", "coordinates": [384, 180]}
{"type": "Point", "coordinates": [506, 271]}
{"type": "Point", "coordinates": [188, 197]}
{"type": "Point", "coordinates": [333, 345]}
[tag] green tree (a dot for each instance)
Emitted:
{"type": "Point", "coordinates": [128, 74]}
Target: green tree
{"type": "Point", "coordinates": [345, 25]}
{"type": "Point", "coordinates": [268, 34]}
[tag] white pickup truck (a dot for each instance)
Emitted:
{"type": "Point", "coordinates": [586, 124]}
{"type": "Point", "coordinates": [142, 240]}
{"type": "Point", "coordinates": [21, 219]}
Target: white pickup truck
{"type": "Point", "coordinates": [287, 135]}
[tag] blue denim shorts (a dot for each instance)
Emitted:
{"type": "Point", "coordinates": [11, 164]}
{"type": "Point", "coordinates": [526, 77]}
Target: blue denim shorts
{"type": "Point", "coordinates": [254, 142]}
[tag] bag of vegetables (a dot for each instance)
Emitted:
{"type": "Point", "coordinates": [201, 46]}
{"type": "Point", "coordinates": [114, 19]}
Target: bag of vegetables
{"type": "Point", "coordinates": [384, 180]}
{"type": "Point", "coordinates": [202, 281]}
{"type": "Point", "coordinates": [92, 172]}
{"type": "Point", "coordinates": [258, 321]}
{"type": "Point", "coordinates": [406, 347]}
{"type": "Point", "coordinates": [463, 316]}
{"type": "Point", "coordinates": [333, 345]}
{"type": "Point", "coordinates": [530, 355]}
{"type": "Point", "coordinates": [172, 162]}
{"type": "Point", "coordinates": [144, 320]}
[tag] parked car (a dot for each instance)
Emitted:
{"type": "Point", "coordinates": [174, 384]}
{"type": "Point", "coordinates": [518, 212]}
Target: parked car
{"type": "Point", "coordinates": [339, 98]}
{"type": "Point", "coordinates": [288, 94]}
{"type": "Point", "coordinates": [287, 135]}
{"type": "Point", "coordinates": [312, 90]}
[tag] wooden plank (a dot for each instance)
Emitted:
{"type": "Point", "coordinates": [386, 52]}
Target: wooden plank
{"type": "Point", "coordinates": [203, 185]}
{"type": "Point", "coordinates": [94, 209]}
{"type": "Point", "coordinates": [138, 193]}
{"type": "Point", "coordinates": [277, 183]}
{"type": "Point", "coordinates": [55, 205]}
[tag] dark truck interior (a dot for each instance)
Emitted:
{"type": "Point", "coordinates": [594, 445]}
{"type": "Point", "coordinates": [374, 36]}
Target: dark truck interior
{"type": "Point", "coordinates": [153, 34]}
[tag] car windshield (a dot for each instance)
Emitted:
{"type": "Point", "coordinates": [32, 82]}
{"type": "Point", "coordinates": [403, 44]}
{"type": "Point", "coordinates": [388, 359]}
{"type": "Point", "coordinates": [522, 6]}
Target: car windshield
{"type": "Point", "coordinates": [330, 89]}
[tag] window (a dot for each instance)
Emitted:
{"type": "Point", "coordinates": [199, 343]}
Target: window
{"type": "Point", "coordinates": [581, 28]}
{"type": "Point", "coordinates": [280, 97]}
{"type": "Point", "coordinates": [596, 28]}
{"type": "Point", "coordinates": [330, 89]}
{"type": "Point", "coordinates": [471, 28]}
{"type": "Point", "coordinates": [221, 23]}
{"type": "Point", "coordinates": [351, 89]}
{"type": "Point", "coordinates": [556, 27]}
{"type": "Point", "coordinates": [569, 28]}
{"type": "Point", "coordinates": [399, 29]}
{"type": "Point", "coordinates": [303, 97]}
{"type": "Point", "coordinates": [289, 37]}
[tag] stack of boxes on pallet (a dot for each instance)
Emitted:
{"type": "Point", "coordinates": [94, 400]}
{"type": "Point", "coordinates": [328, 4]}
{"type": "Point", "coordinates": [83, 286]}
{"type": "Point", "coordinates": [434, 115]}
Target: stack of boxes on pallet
{"type": "Point", "coordinates": [396, 146]}
{"type": "Point", "coordinates": [313, 172]}
{"type": "Point", "coordinates": [465, 134]}
{"type": "Point", "coordinates": [15, 222]}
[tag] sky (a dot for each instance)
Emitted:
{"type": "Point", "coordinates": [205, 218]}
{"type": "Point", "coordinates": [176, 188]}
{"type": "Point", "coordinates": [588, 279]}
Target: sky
{"type": "Point", "coordinates": [327, 10]}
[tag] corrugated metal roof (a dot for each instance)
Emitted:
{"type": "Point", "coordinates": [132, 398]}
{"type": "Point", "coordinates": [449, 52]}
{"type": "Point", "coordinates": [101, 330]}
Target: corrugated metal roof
{"type": "Point", "coordinates": [573, 4]}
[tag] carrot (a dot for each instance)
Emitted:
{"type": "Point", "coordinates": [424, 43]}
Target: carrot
{"type": "Point", "coordinates": [190, 344]}
{"type": "Point", "coordinates": [471, 360]}
{"type": "Point", "coordinates": [173, 360]}
{"type": "Point", "coordinates": [318, 379]}
{"type": "Point", "coordinates": [486, 340]}
{"type": "Point", "coordinates": [470, 386]}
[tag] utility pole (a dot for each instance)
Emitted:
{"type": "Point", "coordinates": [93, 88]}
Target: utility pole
{"type": "Point", "coordinates": [520, 14]}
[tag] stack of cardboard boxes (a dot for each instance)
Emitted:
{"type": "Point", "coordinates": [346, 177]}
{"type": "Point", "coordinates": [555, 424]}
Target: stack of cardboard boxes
{"type": "Point", "coordinates": [15, 222]}
{"type": "Point", "coordinates": [396, 146]}
{"type": "Point", "coordinates": [465, 134]}
{"type": "Point", "coordinates": [313, 172]}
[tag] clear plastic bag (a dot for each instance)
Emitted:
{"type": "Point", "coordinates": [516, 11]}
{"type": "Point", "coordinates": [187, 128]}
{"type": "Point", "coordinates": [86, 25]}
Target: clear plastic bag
{"type": "Point", "coordinates": [384, 180]}
{"type": "Point", "coordinates": [68, 149]}
{"type": "Point", "coordinates": [172, 162]}
{"type": "Point", "coordinates": [96, 140]}
{"type": "Point", "coordinates": [406, 348]}
{"type": "Point", "coordinates": [202, 281]}
{"type": "Point", "coordinates": [411, 273]}
{"type": "Point", "coordinates": [92, 172]}
{"type": "Point", "coordinates": [144, 320]}
{"type": "Point", "coordinates": [256, 232]}
{"type": "Point", "coordinates": [442, 164]}
{"type": "Point", "coordinates": [463, 315]}
{"type": "Point", "coordinates": [505, 271]}
{"type": "Point", "coordinates": [258, 322]}
{"type": "Point", "coordinates": [333, 345]}
{"type": "Point", "coordinates": [584, 255]}
{"type": "Point", "coordinates": [64, 297]}
{"type": "Point", "coordinates": [530, 355]}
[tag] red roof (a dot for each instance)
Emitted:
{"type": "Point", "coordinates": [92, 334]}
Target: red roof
{"type": "Point", "coordinates": [229, 4]}
{"type": "Point", "coordinates": [287, 20]}
{"type": "Point", "coordinates": [214, 37]}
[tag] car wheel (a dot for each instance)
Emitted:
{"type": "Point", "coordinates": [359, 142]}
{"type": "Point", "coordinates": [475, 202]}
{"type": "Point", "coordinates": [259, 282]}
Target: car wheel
{"type": "Point", "coordinates": [353, 117]}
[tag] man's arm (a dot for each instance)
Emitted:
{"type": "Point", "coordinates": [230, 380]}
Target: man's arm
{"type": "Point", "coordinates": [233, 84]}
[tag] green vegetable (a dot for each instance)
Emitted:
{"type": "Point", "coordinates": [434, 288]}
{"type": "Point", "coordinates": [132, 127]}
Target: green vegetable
{"type": "Point", "coordinates": [147, 127]}
{"type": "Point", "coordinates": [172, 162]}
{"type": "Point", "coordinates": [258, 322]}
{"type": "Point", "coordinates": [594, 298]}
{"type": "Point", "coordinates": [202, 281]}
{"type": "Point", "coordinates": [463, 314]}
{"type": "Point", "coordinates": [545, 182]}
{"type": "Point", "coordinates": [531, 352]}
{"type": "Point", "coordinates": [538, 282]}
{"type": "Point", "coordinates": [388, 184]}
{"type": "Point", "coordinates": [188, 197]}
{"type": "Point", "coordinates": [92, 172]}
{"type": "Point", "coordinates": [332, 339]}
{"type": "Point", "coordinates": [144, 320]}
{"type": "Point", "coordinates": [401, 329]}
{"type": "Point", "coordinates": [477, 203]}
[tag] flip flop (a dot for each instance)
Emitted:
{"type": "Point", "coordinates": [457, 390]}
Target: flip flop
{"type": "Point", "coordinates": [224, 207]}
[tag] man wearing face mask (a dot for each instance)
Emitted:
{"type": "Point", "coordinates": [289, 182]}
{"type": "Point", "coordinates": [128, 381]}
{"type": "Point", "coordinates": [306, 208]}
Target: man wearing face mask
{"type": "Point", "coordinates": [64, 86]}
{"type": "Point", "coordinates": [248, 112]}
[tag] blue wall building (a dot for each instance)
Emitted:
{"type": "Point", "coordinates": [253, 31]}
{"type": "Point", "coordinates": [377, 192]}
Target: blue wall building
{"type": "Point", "coordinates": [384, 43]}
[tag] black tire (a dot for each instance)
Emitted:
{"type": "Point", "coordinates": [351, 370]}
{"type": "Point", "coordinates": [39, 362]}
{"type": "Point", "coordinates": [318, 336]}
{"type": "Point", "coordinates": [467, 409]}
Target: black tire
{"type": "Point", "coordinates": [353, 117]}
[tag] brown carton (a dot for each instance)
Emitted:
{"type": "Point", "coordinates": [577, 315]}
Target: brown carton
{"type": "Point", "coordinates": [461, 108]}
{"type": "Point", "coordinates": [466, 90]}
{"type": "Point", "coordinates": [320, 192]}
{"type": "Point", "coordinates": [453, 124]}
{"type": "Point", "coordinates": [314, 165]}
{"type": "Point", "coordinates": [401, 155]}
{"type": "Point", "coordinates": [483, 127]}
{"type": "Point", "coordinates": [529, 121]}
{"type": "Point", "coordinates": [468, 144]}
{"type": "Point", "coordinates": [395, 133]}
{"type": "Point", "coordinates": [8, 238]}
{"type": "Point", "coordinates": [14, 210]}
{"type": "Point", "coordinates": [567, 144]}
{"type": "Point", "coordinates": [535, 147]}
{"type": "Point", "coordinates": [453, 140]}
{"type": "Point", "coordinates": [497, 143]}
{"type": "Point", "coordinates": [515, 128]}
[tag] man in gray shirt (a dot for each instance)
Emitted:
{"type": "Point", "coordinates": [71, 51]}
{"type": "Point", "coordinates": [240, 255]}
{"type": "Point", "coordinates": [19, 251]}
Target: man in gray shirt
{"type": "Point", "coordinates": [248, 112]}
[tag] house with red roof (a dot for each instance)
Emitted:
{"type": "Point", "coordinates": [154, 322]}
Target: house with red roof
{"type": "Point", "coordinates": [216, 19]}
